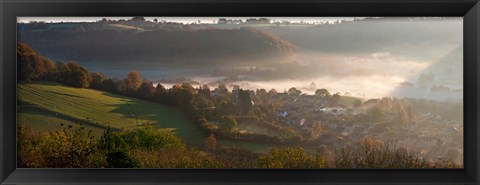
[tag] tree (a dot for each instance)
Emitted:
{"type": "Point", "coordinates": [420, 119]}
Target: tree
{"type": "Point", "coordinates": [121, 86]}
{"type": "Point", "coordinates": [294, 91]}
{"type": "Point", "coordinates": [115, 150]}
{"type": "Point", "coordinates": [244, 102]}
{"type": "Point", "coordinates": [161, 94]}
{"type": "Point", "coordinates": [205, 91]}
{"type": "Point", "coordinates": [80, 78]}
{"type": "Point", "coordinates": [322, 92]}
{"type": "Point", "coordinates": [224, 107]}
{"type": "Point", "coordinates": [211, 142]}
{"type": "Point", "coordinates": [146, 90]}
{"type": "Point", "coordinates": [272, 92]}
{"type": "Point", "coordinates": [68, 148]}
{"type": "Point", "coordinates": [226, 125]}
{"type": "Point", "coordinates": [74, 75]}
{"type": "Point", "coordinates": [49, 69]}
{"type": "Point", "coordinates": [221, 90]}
{"type": "Point", "coordinates": [32, 66]}
{"type": "Point", "coordinates": [61, 71]}
{"type": "Point", "coordinates": [203, 106]}
{"type": "Point", "coordinates": [183, 95]}
{"type": "Point", "coordinates": [261, 92]}
{"type": "Point", "coordinates": [25, 71]}
{"type": "Point", "coordinates": [138, 19]}
{"type": "Point", "coordinates": [97, 81]}
{"type": "Point", "coordinates": [223, 96]}
{"type": "Point", "coordinates": [133, 82]}
{"type": "Point", "coordinates": [109, 85]}
{"type": "Point", "coordinates": [153, 138]}
{"type": "Point", "coordinates": [316, 130]}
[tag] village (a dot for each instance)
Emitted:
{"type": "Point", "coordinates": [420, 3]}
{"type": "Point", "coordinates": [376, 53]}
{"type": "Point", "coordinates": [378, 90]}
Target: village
{"type": "Point", "coordinates": [334, 121]}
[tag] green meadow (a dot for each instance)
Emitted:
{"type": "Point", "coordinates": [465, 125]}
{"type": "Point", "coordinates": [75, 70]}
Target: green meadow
{"type": "Point", "coordinates": [46, 105]}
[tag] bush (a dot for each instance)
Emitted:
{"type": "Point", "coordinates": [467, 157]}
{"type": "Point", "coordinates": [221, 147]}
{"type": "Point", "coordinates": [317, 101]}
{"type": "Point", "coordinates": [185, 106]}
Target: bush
{"type": "Point", "coordinates": [236, 157]}
{"type": "Point", "coordinates": [151, 138]}
{"type": "Point", "coordinates": [28, 150]}
{"type": "Point", "coordinates": [291, 158]}
{"type": "Point", "coordinates": [115, 150]}
{"type": "Point", "coordinates": [374, 155]}
{"type": "Point", "coordinates": [66, 148]}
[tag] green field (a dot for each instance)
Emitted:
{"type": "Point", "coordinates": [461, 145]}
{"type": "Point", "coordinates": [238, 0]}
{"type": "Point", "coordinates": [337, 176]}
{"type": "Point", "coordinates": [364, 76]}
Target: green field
{"type": "Point", "coordinates": [46, 105]}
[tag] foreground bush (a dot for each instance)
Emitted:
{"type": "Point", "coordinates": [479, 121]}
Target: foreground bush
{"type": "Point", "coordinates": [76, 147]}
{"type": "Point", "coordinates": [291, 158]}
{"type": "Point", "coordinates": [66, 148]}
{"type": "Point", "coordinates": [115, 150]}
{"type": "Point", "coordinates": [369, 154]}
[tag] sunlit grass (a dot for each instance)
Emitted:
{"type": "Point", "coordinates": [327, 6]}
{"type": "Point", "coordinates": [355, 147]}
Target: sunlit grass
{"type": "Point", "coordinates": [45, 105]}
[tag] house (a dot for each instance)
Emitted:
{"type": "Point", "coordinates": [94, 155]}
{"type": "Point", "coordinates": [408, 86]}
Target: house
{"type": "Point", "coordinates": [282, 113]}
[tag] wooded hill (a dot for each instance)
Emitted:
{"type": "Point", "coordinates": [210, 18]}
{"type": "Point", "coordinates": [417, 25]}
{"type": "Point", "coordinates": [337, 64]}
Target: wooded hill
{"type": "Point", "coordinates": [116, 46]}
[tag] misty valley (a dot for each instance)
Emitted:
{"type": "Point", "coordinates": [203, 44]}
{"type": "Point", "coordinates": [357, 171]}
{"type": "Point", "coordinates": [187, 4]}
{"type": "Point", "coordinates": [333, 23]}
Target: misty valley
{"type": "Point", "coordinates": [143, 92]}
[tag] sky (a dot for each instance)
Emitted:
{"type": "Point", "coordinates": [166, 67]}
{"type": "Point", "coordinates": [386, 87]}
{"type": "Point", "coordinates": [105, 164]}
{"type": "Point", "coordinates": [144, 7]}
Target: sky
{"type": "Point", "coordinates": [185, 20]}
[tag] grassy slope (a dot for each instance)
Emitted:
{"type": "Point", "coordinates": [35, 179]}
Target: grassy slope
{"type": "Point", "coordinates": [45, 105]}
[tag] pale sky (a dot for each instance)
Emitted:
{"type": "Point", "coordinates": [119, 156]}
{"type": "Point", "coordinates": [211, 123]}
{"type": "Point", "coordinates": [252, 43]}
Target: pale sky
{"type": "Point", "coordinates": [185, 20]}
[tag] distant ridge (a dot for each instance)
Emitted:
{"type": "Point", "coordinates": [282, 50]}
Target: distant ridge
{"type": "Point", "coordinates": [118, 44]}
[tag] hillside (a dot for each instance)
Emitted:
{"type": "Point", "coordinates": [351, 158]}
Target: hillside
{"type": "Point", "coordinates": [45, 105]}
{"type": "Point", "coordinates": [397, 35]}
{"type": "Point", "coordinates": [121, 45]}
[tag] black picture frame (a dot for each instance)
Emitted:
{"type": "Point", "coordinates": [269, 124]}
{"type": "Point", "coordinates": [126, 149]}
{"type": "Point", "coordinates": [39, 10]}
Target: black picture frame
{"type": "Point", "coordinates": [468, 9]}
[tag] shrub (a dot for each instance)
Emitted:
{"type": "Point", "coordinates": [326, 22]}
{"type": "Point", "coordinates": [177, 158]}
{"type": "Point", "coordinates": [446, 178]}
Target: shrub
{"type": "Point", "coordinates": [28, 148]}
{"type": "Point", "coordinates": [236, 157]}
{"type": "Point", "coordinates": [291, 158]}
{"type": "Point", "coordinates": [68, 148]}
{"type": "Point", "coordinates": [374, 155]}
{"type": "Point", "coordinates": [115, 150]}
{"type": "Point", "coordinates": [152, 138]}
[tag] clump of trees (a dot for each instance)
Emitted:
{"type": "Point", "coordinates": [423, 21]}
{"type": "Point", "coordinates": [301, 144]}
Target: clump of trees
{"type": "Point", "coordinates": [73, 75]}
{"type": "Point", "coordinates": [32, 66]}
{"type": "Point", "coordinates": [227, 125]}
